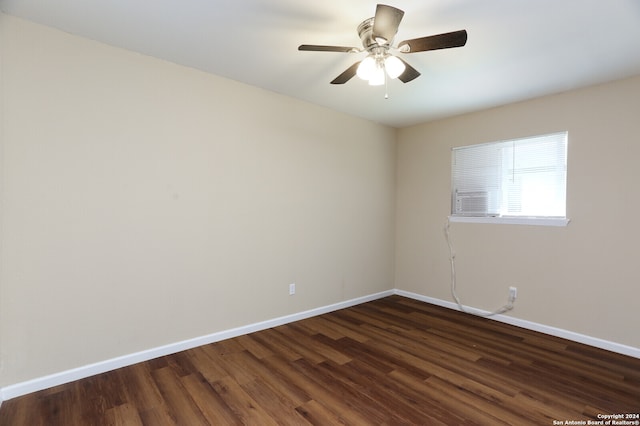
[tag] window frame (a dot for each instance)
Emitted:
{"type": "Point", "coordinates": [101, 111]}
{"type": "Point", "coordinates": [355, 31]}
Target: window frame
{"type": "Point", "coordinates": [490, 218]}
{"type": "Point", "coordinates": [512, 220]}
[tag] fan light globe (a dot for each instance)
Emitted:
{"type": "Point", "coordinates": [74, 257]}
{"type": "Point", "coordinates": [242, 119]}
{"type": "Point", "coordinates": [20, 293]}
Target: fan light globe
{"type": "Point", "coordinates": [394, 66]}
{"type": "Point", "coordinates": [367, 68]}
{"type": "Point", "coordinates": [377, 77]}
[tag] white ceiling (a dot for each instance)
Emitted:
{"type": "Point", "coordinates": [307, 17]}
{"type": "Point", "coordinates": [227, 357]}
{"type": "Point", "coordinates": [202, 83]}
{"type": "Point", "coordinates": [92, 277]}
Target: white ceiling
{"type": "Point", "coordinates": [516, 50]}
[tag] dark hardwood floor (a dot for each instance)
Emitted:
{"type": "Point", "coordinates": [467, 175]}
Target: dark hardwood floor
{"type": "Point", "coordinates": [393, 361]}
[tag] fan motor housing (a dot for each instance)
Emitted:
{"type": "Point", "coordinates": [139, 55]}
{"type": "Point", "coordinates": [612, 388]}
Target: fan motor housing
{"type": "Point", "coordinates": [365, 31]}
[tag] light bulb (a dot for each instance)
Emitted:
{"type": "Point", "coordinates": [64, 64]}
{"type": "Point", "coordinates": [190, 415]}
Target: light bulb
{"type": "Point", "coordinates": [366, 68]}
{"type": "Point", "coordinates": [394, 66]}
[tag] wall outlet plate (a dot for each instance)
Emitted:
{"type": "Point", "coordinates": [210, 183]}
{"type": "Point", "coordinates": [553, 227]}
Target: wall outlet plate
{"type": "Point", "coordinates": [292, 289]}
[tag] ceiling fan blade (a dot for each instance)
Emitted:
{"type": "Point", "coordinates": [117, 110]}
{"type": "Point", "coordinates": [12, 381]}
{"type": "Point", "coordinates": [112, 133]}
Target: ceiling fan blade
{"type": "Point", "coordinates": [440, 41]}
{"type": "Point", "coordinates": [410, 73]}
{"type": "Point", "coordinates": [317, 48]}
{"type": "Point", "coordinates": [347, 74]}
{"type": "Point", "coordinates": [386, 23]}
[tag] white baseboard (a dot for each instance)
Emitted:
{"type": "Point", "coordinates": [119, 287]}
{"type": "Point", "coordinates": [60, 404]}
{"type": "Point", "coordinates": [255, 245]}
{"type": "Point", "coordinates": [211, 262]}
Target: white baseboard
{"type": "Point", "coordinates": [23, 388]}
{"type": "Point", "coordinates": [529, 325]}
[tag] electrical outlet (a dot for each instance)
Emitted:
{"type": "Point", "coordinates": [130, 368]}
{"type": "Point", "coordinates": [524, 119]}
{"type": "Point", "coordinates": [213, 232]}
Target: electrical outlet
{"type": "Point", "coordinates": [292, 289]}
{"type": "Point", "coordinates": [513, 293]}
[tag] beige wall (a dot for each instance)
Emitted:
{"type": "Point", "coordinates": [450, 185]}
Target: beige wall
{"type": "Point", "coordinates": [144, 203]}
{"type": "Point", "coordinates": [583, 278]}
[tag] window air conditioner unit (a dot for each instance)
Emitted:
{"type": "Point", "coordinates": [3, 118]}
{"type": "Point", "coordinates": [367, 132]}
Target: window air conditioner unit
{"type": "Point", "coordinates": [472, 203]}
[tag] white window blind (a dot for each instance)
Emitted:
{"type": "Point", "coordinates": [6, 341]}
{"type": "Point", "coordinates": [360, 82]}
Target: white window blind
{"type": "Point", "coordinates": [516, 178]}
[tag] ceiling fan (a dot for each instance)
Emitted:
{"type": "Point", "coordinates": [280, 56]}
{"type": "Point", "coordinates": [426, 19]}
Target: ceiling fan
{"type": "Point", "coordinates": [377, 35]}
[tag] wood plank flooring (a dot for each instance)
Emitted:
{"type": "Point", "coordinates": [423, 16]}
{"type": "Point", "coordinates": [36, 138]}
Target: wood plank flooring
{"type": "Point", "coordinates": [394, 361]}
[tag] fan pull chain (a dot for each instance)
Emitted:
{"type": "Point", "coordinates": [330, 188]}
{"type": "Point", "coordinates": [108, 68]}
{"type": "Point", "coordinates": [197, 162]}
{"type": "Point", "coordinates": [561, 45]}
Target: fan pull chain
{"type": "Point", "coordinates": [386, 86]}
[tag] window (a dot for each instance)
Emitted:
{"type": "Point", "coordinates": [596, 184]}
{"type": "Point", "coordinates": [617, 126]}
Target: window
{"type": "Point", "coordinates": [515, 181]}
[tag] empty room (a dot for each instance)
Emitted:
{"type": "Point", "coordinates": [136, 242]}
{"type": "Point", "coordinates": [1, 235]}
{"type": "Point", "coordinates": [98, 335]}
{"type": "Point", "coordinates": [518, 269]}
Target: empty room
{"type": "Point", "coordinates": [278, 212]}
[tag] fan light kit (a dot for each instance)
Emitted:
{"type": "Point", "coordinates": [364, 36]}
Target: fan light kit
{"type": "Point", "coordinates": [377, 35]}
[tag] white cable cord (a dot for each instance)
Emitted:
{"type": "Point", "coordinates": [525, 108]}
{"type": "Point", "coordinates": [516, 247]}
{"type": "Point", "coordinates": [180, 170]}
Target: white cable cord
{"type": "Point", "coordinates": [452, 256]}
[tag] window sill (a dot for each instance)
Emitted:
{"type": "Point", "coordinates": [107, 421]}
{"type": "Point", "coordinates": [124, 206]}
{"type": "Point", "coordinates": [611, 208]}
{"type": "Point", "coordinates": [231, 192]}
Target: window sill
{"type": "Point", "coordinates": [537, 221]}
